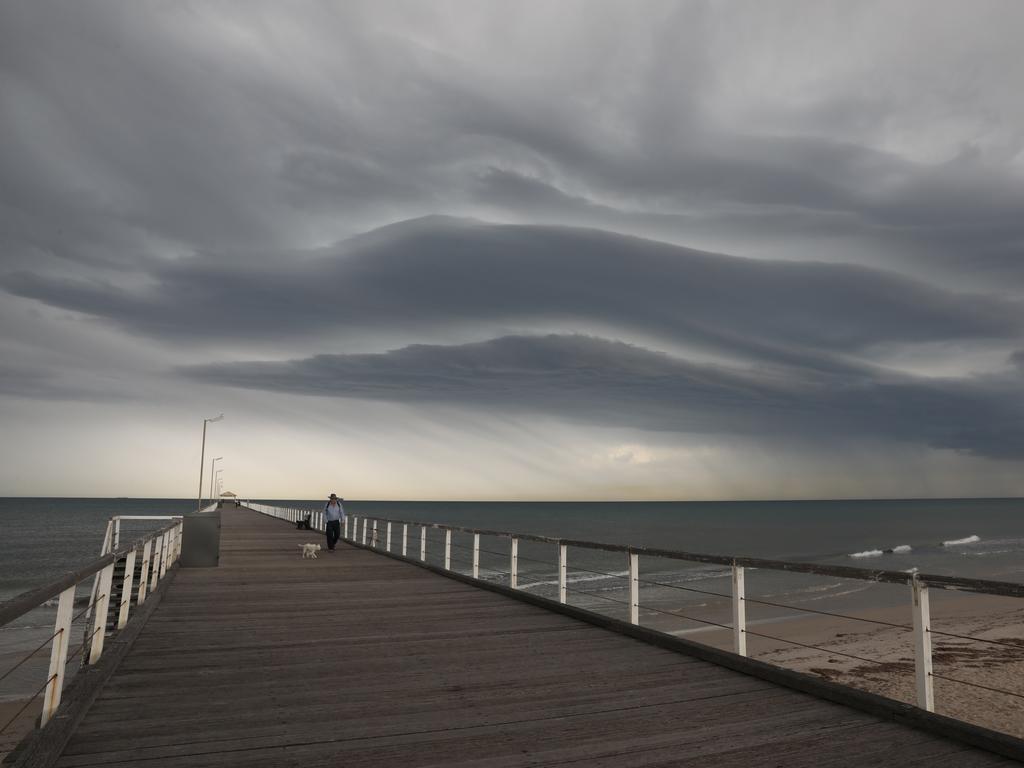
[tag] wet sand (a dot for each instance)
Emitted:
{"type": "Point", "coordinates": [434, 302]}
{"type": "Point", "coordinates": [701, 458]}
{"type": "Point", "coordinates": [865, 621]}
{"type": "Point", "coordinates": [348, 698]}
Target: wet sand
{"type": "Point", "coordinates": [885, 663]}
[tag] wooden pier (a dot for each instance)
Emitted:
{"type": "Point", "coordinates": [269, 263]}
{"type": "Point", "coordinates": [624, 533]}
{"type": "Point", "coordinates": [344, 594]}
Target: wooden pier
{"type": "Point", "coordinates": [357, 659]}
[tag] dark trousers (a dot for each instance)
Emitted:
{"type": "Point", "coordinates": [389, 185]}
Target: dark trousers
{"type": "Point", "coordinates": [333, 533]}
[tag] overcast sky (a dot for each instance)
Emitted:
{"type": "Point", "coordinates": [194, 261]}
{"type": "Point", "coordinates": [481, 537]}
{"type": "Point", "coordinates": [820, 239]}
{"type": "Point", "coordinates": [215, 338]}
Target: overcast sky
{"type": "Point", "coordinates": [513, 250]}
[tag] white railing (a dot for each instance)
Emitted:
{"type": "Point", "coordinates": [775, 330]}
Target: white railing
{"type": "Point", "coordinates": [293, 514]}
{"type": "Point", "coordinates": [364, 532]}
{"type": "Point", "coordinates": [158, 551]}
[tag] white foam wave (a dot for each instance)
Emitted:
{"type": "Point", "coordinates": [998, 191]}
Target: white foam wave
{"type": "Point", "coordinates": [841, 593]}
{"type": "Point", "coordinates": [575, 579]}
{"type": "Point", "coordinates": [901, 549]}
{"type": "Point", "coordinates": [868, 553]}
{"type": "Point", "coordinates": [966, 540]}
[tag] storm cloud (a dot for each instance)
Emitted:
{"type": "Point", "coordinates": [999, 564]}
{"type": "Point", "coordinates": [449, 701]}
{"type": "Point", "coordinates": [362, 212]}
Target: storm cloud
{"type": "Point", "coordinates": [447, 272]}
{"type": "Point", "coordinates": [691, 221]}
{"type": "Point", "coordinates": [599, 381]}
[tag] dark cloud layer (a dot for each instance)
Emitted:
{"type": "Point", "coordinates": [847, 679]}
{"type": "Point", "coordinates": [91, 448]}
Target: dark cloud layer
{"type": "Point", "coordinates": [142, 130]}
{"type": "Point", "coordinates": [190, 180]}
{"type": "Point", "coordinates": [612, 383]}
{"type": "Point", "coordinates": [439, 272]}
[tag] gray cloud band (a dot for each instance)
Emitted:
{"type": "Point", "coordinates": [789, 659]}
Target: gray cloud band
{"type": "Point", "coordinates": [444, 273]}
{"type": "Point", "coordinates": [611, 383]}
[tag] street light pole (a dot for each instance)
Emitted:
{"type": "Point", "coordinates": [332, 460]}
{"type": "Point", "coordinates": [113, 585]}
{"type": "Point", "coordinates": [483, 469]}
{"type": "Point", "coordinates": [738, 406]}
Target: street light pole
{"type": "Point", "coordinates": [202, 460]}
{"type": "Point", "coordinates": [213, 463]}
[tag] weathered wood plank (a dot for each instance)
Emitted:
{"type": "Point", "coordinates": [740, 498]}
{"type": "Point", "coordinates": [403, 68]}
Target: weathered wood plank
{"type": "Point", "coordinates": [357, 659]}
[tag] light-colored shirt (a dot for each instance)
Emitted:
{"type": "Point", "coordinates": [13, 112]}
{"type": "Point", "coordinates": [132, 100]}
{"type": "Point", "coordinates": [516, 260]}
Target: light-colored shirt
{"type": "Point", "coordinates": [334, 511]}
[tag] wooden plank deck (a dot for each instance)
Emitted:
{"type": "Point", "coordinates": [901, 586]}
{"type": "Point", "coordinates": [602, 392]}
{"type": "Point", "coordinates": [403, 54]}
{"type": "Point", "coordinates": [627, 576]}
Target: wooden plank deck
{"type": "Point", "coordinates": [355, 659]}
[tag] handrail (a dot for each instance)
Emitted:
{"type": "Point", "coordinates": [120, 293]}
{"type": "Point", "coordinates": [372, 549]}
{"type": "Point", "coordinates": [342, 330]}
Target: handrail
{"type": "Point", "coordinates": [954, 583]}
{"type": "Point", "coordinates": [31, 599]}
{"type": "Point", "coordinates": [370, 537]}
{"type": "Point", "coordinates": [159, 549]}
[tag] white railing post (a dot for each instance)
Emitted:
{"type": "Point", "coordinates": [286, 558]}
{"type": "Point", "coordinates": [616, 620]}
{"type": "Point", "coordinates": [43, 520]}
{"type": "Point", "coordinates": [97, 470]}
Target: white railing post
{"type": "Point", "coordinates": [165, 544]}
{"type": "Point", "coordinates": [99, 619]}
{"type": "Point", "coordinates": [346, 528]}
{"type": "Point", "coordinates": [126, 589]}
{"type": "Point", "coordinates": [634, 588]}
{"type": "Point", "coordinates": [476, 555]}
{"type": "Point", "coordinates": [922, 645]}
{"type": "Point", "coordinates": [117, 534]}
{"type": "Point", "coordinates": [58, 654]}
{"type": "Point", "coordinates": [513, 575]}
{"type": "Point", "coordinates": [108, 538]}
{"type": "Point", "coordinates": [154, 571]}
{"type": "Point", "coordinates": [423, 542]}
{"type": "Point", "coordinates": [448, 549]}
{"type": "Point", "coordinates": [405, 539]}
{"type": "Point", "coordinates": [387, 544]}
{"type": "Point", "coordinates": [147, 548]}
{"type": "Point", "coordinates": [563, 567]}
{"type": "Point", "coordinates": [355, 529]}
{"type": "Point", "coordinates": [739, 611]}
{"type": "Point", "coordinates": [365, 522]}
{"type": "Point", "coordinates": [374, 542]}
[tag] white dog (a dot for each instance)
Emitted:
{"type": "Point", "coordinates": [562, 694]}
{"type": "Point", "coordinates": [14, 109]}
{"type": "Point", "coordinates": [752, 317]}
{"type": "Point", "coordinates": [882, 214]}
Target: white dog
{"type": "Point", "coordinates": [310, 550]}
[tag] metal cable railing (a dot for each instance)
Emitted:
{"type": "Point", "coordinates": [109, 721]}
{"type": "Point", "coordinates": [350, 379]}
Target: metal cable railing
{"type": "Point", "coordinates": [159, 551]}
{"type": "Point", "coordinates": [377, 534]}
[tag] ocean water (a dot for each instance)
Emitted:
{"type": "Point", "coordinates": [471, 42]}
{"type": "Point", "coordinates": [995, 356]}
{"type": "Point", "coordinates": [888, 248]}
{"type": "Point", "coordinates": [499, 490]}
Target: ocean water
{"type": "Point", "coordinates": [982, 538]}
{"type": "Point", "coordinates": [44, 538]}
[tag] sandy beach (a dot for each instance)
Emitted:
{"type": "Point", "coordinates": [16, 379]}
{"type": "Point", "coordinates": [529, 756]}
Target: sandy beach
{"type": "Point", "coordinates": [879, 658]}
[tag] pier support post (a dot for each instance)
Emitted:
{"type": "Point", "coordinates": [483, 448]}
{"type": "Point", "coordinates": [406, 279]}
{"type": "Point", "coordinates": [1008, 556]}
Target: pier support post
{"type": "Point", "coordinates": [448, 549]}
{"type": "Point", "coordinates": [423, 542]}
{"type": "Point", "coordinates": [58, 654]}
{"type": "Point", "coordinates": [387, 544]}
{"type": "Point", "coordinates": [634, 588]}
{"type": "Point", "coordinates": [513, 576]}
{"type": "Point", "coordinates": [476, 555]}
{"type": "Point", "coordinates": [563, 567]}
{"type": "Point", "coordinates": [126, 590]}
{"type": "Point", "coordinates": [922, 645]}
{"type": "Point", "coordinates": [405, 539]}
{"type": "Point", "coordinates": [739, 611]}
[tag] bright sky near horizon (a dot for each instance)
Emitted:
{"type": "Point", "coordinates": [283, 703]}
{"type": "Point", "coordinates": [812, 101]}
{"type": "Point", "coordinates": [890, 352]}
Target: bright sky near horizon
{"type": "Point", "coordinates": [513, 250]}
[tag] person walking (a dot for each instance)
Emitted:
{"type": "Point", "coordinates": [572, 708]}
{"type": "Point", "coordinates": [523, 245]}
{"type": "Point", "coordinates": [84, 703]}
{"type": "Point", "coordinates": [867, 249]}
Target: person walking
{"type": "Point", "coordinates": [334, 514]}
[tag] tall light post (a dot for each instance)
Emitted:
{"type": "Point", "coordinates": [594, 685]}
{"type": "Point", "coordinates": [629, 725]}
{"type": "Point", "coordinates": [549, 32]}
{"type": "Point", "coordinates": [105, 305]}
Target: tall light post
{"type": "Point", "coordinates": [202, 461]}
{"type": "Point", "coordinates": [213, 463]}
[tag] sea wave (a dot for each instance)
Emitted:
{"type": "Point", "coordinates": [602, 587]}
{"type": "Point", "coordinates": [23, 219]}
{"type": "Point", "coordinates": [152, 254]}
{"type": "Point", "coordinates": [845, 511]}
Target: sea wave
{"type": "Point", "coordinates": [573, 579]}
{"type": "Point", "coordinates": [965, 540]}
{"type": "Point", "coordinates": [868, 553]}
{"type": "Point", "coordinates": [902, 549]}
